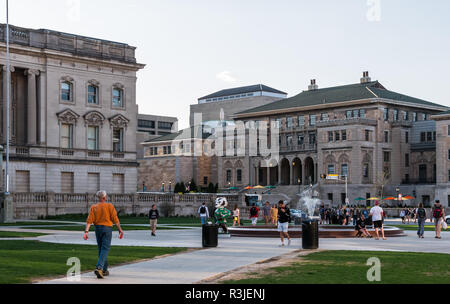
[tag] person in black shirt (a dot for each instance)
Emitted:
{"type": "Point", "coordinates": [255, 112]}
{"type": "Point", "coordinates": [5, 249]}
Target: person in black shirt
{"type": "Point", "coordinates": [153, 215]}
{"type": "Point", "coordinates": [284, 217]}
{"type": "Point", "coordinates": [361, 227]}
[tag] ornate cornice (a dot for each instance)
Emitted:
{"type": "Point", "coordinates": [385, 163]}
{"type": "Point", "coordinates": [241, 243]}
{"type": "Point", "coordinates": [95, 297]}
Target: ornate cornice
{"type": "Point", "coordinates": [94, 118]}
{"type": "Point", "coordinates": [119, 121]}
{"type": "Point", "coordinates": [67, 78]}
{"type": "Point", "coordinates": [68, 116]}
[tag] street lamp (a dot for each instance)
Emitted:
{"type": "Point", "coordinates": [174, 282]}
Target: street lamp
{"type": "Point", "coordinates": [143, 187]}
{"type": "Point", "coordinates": [170, 186]}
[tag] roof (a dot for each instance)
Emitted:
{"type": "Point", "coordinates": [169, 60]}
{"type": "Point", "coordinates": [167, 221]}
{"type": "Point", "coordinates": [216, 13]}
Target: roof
{"type": "Point", "coordinates": [337, 94]}
{"type": "Point", "coordinates": [243, 90]}
{"type": "Point", "coordinates": [189, 133]}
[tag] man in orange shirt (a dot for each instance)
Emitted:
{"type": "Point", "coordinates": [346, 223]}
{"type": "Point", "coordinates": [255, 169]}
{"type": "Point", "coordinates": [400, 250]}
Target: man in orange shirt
{"type": "Point", "coordinates": [102, 215]}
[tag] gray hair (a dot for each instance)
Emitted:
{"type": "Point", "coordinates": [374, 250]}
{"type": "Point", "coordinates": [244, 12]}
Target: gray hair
{"type": "Point", "coordinates": [101, 193]}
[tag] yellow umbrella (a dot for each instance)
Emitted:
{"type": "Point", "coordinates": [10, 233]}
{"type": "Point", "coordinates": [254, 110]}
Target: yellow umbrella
{"type": "Point", "coordinates": [259, 187]}
{"type": "Point", "coordinates": [373, 199]}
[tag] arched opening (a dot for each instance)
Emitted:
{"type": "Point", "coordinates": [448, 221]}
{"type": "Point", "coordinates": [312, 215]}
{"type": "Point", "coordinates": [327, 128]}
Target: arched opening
{"type": "Point", "coordinates": [309, 171]}
{"type": "Point", "coordinates": [285, 172]}
{"type": "Point", "coordinates": [273, 168]}
{"type": "Point", "coordinates": [297, 171]}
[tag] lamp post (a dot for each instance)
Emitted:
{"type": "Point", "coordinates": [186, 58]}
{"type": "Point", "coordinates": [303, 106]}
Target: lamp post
{"type": "Point", "coordinates": [170, 186]}
{"type": "Point", "coordinates": [143, 187]}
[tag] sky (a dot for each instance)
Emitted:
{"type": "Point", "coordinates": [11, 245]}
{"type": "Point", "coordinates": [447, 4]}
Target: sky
{"type": "Point", "coordinates": [197, 47]}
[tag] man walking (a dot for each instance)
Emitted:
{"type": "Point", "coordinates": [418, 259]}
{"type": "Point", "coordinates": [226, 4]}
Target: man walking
{"type": "Point", "coordinates": [153, 216]}
{"type": "Point", "coordinates": [421, 218]}
{"type": "Point", "coordinates": [377, 218]}
{"type": "Point", "coordinates": [204, 213]}
{"type": "Point", "coordinates": [284, 217]}
{"type": "Point", "coordinates": [438, 214]}
{"type": "Point", "coordinates": [102, 215]}
{"type": "Point", "coordinates": [254, 214]}
{"type": "Point", "coordinates": [266, 213]}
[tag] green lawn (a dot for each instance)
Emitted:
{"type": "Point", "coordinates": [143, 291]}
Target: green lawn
{"type": "Point", "coordinates": [349, 267]}
{"type": "Point", "coordinates": [10, 234]}
{"type": "Point", "coordinates": [23, 261]}
{"type": "Point", "coordinates": [415, 227]}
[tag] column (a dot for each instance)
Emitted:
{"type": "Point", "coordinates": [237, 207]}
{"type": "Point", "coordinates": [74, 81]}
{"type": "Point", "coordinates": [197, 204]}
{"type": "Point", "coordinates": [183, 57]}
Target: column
{"type": "Point", "coordinates": [42, 107]}
{"type": "Point", "coordinates": [5, 83]}
{"type": "Point", "coordinates": [32, 106]}
{"type": "Point", "coordinates": [268, 174]}
{"type": "Point", "coordinates": [279, 172]}
{"type": "Point", "coordinates": [291, 174]}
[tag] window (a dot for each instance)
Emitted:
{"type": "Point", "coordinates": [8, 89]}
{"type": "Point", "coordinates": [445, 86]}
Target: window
{"type": "Point", "coordinates": [337, 136]}
{"type": "Point", "coordinates": [228, 178]}
{"type": "Point", "coordinates": [362, 113]}
{"type": "Point", "coordinates": [386, 114]}
{"type": "Point", "coordinates": [367, 134]}
{"type": "Point", "coordinates": [330, 197]}
{"type": "Point", "coordinates": [429, 136]}
{"type": "Point", "coordinates": [330, 169]}
{"type": "Point", "coordinates": [278, 123]}
{"type": "Point", "coordinates": [344, 170]}
{"type": "Point", "coordinates": [67, 182]}
{"type": "Point", "coordinates": [66, 91]}
{"type": "Point", "coordinates": [405, 115]}
{"type": "Point", "coordinates": [386, 136]}
{"type": "Point", "coordinates": [366, 170]}
{"type": "Point", "coordinates": [289, 122]}
{"type": "Point", "coordinates": [448, 154]}
{"type": "Point", "coordinates": [66, 136]}
{"type": "Point", "coordinates": [449, 175]}
{"type": "Point", "coordinates": [423, 116]}
{"type": "Point", "coordinates": [344, 134]}
{"type": "Point", "coordinates": [448, 130]}
{"type": "Point", "coordinates": [324, 117]}
{"type": "Point", "coordinates": [289, 140]}
{"type": "Point", "coordinates": [395, 115]}
{"type": "Point", "coordinates": [330, 136]}
{"type": "Point", "coordinates": [165, 125]}
{"type": "Point", "coordinates": [423, 137]}
{"type": "Point", "coordinates": [301, 120]}
{"type": "Point", "coordinates": [239, 175]}
{"type": "Point", "coordinates": [406, 137]}
{"type": "Point", "coordinates": [118, 140]}
{"type": "Point", "coordinates": [146, 123]}
{"type": "Point", "coordinates": [92, 94]}
{"type": "Point", "coordinates": [300, 140]}
{"type": "Point", "coordinates": [414, 118]}
{"type": "Point", "coordinates": [355, 113]}
{"type": "Point", "coordinates": [92, 138]}
{"type": "Point", "coordinates": [349, 114]}
{"type": "Point", "coordinates": [406, 160]}
{"type": "Point", "coordinates": [165, 150]}
{"type": "Point", "coordinates": [205, 180]}
{"type": "Point", "coordinates": [117, 97]}
{"type": "Point", "coordinates": [387, 157]}
{"type": "Point", "coordinates": [169, 149]}
{"type": "Point", "coordinates": [312, 138]}
{"type": "Point", "coordinates": [312, 120]}
{"type": "Point", "coordinates": [434, 136]}
{"type": "Point", "coordinates": [22, 181]}
{"type": "Point", "coordinates": [153, 151]}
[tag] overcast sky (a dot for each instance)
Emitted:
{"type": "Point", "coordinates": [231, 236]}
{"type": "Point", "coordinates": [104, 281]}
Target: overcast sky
{"type": "Point", "coordinates": [193, 48]}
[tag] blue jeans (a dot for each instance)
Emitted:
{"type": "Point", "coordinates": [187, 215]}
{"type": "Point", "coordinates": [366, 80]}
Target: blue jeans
{"type": "Point", "coordinates": [104, 236]}
{"type": "Point", "coordinates": [203, 219]}
{"type": "Point", "coordinates": [421, 226]}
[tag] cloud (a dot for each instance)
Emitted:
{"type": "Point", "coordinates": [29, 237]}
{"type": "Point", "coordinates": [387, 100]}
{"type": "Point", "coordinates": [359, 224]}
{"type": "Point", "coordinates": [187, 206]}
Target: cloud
{"type": "Point", "coordinates": [226, 77]}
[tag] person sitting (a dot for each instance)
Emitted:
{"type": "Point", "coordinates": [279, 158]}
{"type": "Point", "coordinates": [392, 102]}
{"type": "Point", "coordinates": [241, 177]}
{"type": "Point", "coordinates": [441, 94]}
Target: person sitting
{"type": "Point", "coordinates": [360, 227]}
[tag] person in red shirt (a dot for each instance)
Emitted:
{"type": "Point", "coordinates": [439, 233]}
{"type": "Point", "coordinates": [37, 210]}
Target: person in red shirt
{"type": "Point", "coordinates": [254, 214]}
{"type": "Point", "coordinates": [102, 215]}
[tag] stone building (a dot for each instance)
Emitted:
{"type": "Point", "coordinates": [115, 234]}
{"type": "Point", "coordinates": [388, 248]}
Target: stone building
{"type": "Point", "coordinates": [178, 157]}
{"type": "Point", "coordinates": [73, 112]}
{"type": "Point", "coordinates": [363, 131]}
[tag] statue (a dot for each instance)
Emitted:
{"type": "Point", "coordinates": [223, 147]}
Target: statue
{"type": "Point", "coordinates": [221, 213]}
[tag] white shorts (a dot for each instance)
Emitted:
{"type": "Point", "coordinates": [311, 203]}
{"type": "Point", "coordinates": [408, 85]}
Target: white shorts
{"type": "Point", "coordinates": [254, 220]}
{"type": "Point", "coordinates": [283, 227]}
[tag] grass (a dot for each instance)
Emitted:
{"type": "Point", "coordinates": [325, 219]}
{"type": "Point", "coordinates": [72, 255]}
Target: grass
{"type": "Point", "coordinates": [415, 227]}
{"type": "Point", "coordinates": [349, 267]}
{"type": "Point", "coordinates": [29, 224]}
{"type": "Point", "coordinates": [10, 234]}
{"type": "Point", "coordinates": [23, 261]}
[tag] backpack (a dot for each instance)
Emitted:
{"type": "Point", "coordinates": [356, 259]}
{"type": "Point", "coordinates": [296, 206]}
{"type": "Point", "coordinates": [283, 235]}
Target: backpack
{"type": "Point", "coordinates": [437, 213]}
{"type": "Point", "coordinates": [253, 211]}
{"type": "Point", "coordinates": [421, 213]}
{"type": "Point", "coordinates": [202, 210]}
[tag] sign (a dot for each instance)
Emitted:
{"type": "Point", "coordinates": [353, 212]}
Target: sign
{"type": "Point", "coordinates": [333, 176]}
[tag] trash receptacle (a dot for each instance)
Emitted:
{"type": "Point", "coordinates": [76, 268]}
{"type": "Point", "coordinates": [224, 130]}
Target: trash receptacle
{"type": "Point", "coordinates": [310, 234]}
{"type": "Point", "coordinates": [210, 235]}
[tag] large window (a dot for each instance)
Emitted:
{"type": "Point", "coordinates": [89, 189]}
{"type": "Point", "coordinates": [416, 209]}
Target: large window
{"type": "Point", "coordinates": [228, 177]}
{"type": "Point", "coordinates": [337, 136]}
{"type": "Point", "coordinates": [406, 160]}
{"type": "Point", "coordinates": [93, 138]}
{"type": "Point", "coordinates": [92, 94]}
{"type": "Point", "coordinates": [387, 156]}
{"type": "Point", "coordinates": [301, 121]}
{"type": "Point", "coordinates": [330, 136]}
{"type": "Point", "coordinates": [386, 114]}
{"type": "Point", "coordinates": [367, 135]}
{"type": "Point", "coordinates": [239, 175]}
{"type": "Point", "coordinates": [312, 120]}
{"type": "Point", "coordinates": [118, 140]}
{"type": "Point", "coordinates": [146, 123]}
{"type": "Point", "coordinates": [344, 134]}
{"type": "Point", "coordinates": [289, 140]}
{"type": "Point", "coordinates": [365, 170]}
{"type": "Point", "coordinates": [117, 97]}
{"type": "Point", "coordinates": [330, 169]}
{"type": "Point", "coordinates": [66, 136]}
{"type": "Point", "coordinates": [300, 139]}
{"type": "Point", "coordinates": [386, 136]}
{"type": "Point", "coordinates": [289, 122]}
{"type": "Point", "coordinates": [344, 170]}
{"type": "Point", "coordinates": [312, 138]}
{"type": "Point", "coordinates": [67, 182]}
{"type": "Point", "coordinates": [66, 91]}
{"type": "Point", "coordinates": [395, 115]}
{"type": "Point", "coordinates": [324, 117]}
{"type": "Point", "coordinates": [165, 125]}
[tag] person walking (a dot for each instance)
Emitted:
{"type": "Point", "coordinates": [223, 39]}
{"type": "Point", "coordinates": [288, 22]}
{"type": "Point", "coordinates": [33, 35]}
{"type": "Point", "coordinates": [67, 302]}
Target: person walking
{"type": "Point", "coordinates": [284, 217]}
{"type": "Point", "coordinates": [274, 214]}
{"type": "Point", "coordinates": [236, 217]}
{"type": "Point", "coordinates": [421, 218]}
{"type": "Point", "coordinates": [102, 215]}
{"type": "Point", "coordinates": [402, 215]}
{"type": "Point", "coordinates": [377, 218]}
{"type": "Point", "coordinates": [204, 213]}
{"type": "Point", "coordinates": [153, 216]}
{"type": "Point", "coordinates": [438, 214]}
{"type": "Point", "coordinates": [266, 213]}
{"type": "Point", "coordinates": [254, 214]}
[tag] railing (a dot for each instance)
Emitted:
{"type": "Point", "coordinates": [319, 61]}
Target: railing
{"type": "Point", "coordinates": [303, 147]}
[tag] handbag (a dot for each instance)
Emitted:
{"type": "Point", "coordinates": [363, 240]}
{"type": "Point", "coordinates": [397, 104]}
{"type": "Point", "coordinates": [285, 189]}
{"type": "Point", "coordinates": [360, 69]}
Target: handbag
{"type": "Point", "coordinates": [444, 225]}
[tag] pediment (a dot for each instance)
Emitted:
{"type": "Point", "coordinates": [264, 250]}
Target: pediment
{"type": "Point", "coordinates": [94, 118]}
{"type": "Point", "coordinates": [68, 116]}
{"type": "Point", "coordinates": [119, 121]}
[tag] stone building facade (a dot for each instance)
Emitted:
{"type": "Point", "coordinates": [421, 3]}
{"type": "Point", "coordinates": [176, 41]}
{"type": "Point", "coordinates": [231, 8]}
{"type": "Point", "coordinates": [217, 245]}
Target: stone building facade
{"type": "Point", "coordinates": [362, 131]}
{"type": "Point", "coordinates": [73, 112]}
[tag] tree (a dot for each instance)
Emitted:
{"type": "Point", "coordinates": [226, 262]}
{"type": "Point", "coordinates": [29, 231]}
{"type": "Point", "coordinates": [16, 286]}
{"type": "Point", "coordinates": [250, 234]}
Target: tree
{"type": "Point", "coordinates": [381, 181]}
{"type": "Point", "coordinates": [167, 209]}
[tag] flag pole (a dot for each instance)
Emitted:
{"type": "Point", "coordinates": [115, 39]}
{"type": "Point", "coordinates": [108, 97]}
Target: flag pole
{"type": "Point", "coordinates": [7, 100]}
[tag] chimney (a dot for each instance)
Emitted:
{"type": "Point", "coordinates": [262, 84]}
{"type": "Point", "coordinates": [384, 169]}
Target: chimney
{"type": "Point", "coordinates": [365, 77]}
{"type": "Point", "coordinates": [313, 86]}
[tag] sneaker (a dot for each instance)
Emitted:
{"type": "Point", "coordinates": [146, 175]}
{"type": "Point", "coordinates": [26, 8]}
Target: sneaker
{"type": "Point", "coordinates": [99, 273]}
{"type": "Point", "coordinates": [153, 234]}
{"type": "Point", "coordinates": [106, 273]}
{"type": "Point", "coordinates": [282, 245]}
{"type": "Point", "coordinates": [289, 243]}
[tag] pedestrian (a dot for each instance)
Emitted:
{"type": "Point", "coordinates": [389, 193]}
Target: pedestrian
{"type": "Point", "coordinates": [322, 215]}
{"type": "Point", "coordinates": [274, 214]}
{"type": "Point", "coordinates": [153, 216]}
{"type": "Point", "coordinates": [236, 217]}
{"type": "Point", "coordinates": [402, 215]}
{"type": "Point", "coordinates": [377, 218]}
{"type": "Point", "coordinates": [254, 214]}
{"type": "Point", "coordinates": [355, 215]}
{"type": "Point", "coordinates": [414, 212]}
{"type": "Point", "coordinates": [360, 227]}
{"type": "Point", "coordinates": [204, 213]}
{"type": "Point", "coordinates": [438, 214]}
{"type": "Point", "coordinates": [266, 213]}
{"type": "Point", "coordinates": [284, 217]}
{"type": "Point", "coordinates": [421, 218]}
{"type": "Point", "coordinates": [102, 215]}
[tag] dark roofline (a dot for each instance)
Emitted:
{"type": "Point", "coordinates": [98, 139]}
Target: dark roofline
{"type": "Point", "coordinates": [242, 90]}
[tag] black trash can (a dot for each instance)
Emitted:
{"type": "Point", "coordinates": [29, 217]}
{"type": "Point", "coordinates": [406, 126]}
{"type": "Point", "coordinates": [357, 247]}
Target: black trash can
{"type": "Point", "coordinates": [297, 220]}
{"type": "Point", "coordinates": [310, 234]}
{"type": "Point", "coordinates": [210, 235]}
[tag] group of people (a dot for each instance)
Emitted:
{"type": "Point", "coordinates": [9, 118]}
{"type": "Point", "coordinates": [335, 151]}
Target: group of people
{"type": "Point", "coordinates": [342, 215]}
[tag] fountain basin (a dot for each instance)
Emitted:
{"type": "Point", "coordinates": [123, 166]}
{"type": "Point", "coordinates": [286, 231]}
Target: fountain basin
{"type": "Point", "coordinates": [325, 231]}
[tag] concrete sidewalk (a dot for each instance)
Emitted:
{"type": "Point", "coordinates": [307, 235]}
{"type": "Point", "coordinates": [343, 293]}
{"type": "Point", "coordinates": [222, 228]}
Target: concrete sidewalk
{"type": "Point", "coordinates": [232, 253]}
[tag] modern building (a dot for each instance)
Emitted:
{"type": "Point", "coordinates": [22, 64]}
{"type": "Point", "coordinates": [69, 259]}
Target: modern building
{"type": "Point", "coordinates": [382, 141]}
{"type": "Point", "coordinates": [153, 126]}
{"type": "Point", "coordinates": [222, 105]}
{"type": "Point", "coordinates": [73, 112]}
